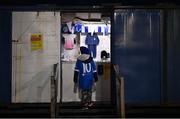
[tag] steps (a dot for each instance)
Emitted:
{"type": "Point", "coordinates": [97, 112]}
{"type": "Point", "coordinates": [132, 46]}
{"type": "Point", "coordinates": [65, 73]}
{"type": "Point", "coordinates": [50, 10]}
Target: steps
{"type": "Point", "coordinates": [42, 110]}
{"type": "Point", "coordinates": [74, 109]}
{"type": "Point", "coordinates": [24, 110]}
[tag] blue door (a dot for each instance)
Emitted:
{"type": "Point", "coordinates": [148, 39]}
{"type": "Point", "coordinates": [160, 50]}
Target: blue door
{"type": "Point", "coordinates": [173, 56]}
{"type": "Point", "coordinates": [136, 49]}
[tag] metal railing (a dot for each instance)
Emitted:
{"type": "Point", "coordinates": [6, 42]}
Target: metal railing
{"type": "Point", "coordinates": [121, 98]}
{"type": "Point", "coordinates": [54, 86]}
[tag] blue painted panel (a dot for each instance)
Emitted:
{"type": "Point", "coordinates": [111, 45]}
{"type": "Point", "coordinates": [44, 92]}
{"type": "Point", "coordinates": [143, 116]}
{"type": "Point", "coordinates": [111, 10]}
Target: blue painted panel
{"type": "Point", "coordinates": [173, 55]}
{"type": "Point", "coordinates": [5, 60]}
{"type": "Point", "coordinates": [136, 48]}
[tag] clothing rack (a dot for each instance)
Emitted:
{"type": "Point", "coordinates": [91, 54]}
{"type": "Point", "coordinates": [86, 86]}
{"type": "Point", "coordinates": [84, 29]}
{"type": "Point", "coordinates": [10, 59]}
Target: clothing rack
{"type": "Point", "coordinates": [83, 33]}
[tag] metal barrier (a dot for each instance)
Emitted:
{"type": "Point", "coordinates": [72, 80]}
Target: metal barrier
{"type": "Point", "coordinates": [121, 91]}
{"type": "Point", "coordinates": [54, 83]}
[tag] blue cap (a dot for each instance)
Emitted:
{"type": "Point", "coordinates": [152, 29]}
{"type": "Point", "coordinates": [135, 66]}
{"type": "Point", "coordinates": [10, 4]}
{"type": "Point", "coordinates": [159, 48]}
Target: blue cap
{"type": "Point", "coordinates": [84, 50]}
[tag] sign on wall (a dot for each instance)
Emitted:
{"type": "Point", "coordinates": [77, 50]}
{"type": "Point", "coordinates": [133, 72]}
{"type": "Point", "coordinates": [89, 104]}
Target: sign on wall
{"type": "Point", "coordinates": [36, 42]}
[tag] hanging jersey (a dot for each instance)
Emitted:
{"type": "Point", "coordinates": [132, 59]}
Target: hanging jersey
{"type": "Point", "coordinates": [69, 41]}
{"type": "Point", "coordinates": [85, 73]}
{"type": "Point", "coordinates": [92, 41]}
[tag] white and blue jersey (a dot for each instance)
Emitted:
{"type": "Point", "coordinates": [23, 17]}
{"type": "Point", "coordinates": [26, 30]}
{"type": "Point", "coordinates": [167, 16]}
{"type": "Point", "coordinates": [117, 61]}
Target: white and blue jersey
{"type": "Point", "coordinates": [86, 72]}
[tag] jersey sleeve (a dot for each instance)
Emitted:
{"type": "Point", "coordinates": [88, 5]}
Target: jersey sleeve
{"type": "Point", "coordinates": [77, 66]}
{"type": "Point", "coordinates": [94, 72]}
{"type": "Point", "coordinates": [76, 72]}
{"type": "Point", "coordinates": [94, 67]}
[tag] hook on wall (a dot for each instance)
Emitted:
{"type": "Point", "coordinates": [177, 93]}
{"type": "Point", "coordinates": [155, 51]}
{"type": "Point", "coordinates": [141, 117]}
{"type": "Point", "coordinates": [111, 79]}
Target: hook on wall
{"type": "Point", "coordinates": [37, 14]}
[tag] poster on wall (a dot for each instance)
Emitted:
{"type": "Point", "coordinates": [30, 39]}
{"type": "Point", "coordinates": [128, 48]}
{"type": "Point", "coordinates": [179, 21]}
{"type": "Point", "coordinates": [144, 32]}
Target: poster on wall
{"type": "Point", "coordinates": [36, 42]}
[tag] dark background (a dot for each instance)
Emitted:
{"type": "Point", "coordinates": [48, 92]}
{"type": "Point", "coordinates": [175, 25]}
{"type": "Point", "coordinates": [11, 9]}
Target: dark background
{"type": "Point", "coordinates": [88, 2]}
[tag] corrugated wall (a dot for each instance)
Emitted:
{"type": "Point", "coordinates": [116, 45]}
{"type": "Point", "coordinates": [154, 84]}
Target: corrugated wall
{"type": "Point", "coordinates": [32, 68]}
{"type": "Point", "coordinates": [173, 56]}
{"type": "Point", "coordinates": [136, 48]}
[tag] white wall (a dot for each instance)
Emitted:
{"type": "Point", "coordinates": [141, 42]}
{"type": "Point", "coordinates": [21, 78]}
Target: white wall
{"type": "Point", "coordinates": [31, 70]}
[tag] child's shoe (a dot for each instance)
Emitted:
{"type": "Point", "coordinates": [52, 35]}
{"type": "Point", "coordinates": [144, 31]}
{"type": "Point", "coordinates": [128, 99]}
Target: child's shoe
{"type": "Point", "coordinates": [85, 106]}
{"type": "Point", "coordinates": [90, 104]}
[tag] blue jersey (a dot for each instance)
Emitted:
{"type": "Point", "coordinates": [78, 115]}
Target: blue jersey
{"type": "Point", "coordinates": [86, 71]}
{"type": "Point", "coordinates": [92, 41]}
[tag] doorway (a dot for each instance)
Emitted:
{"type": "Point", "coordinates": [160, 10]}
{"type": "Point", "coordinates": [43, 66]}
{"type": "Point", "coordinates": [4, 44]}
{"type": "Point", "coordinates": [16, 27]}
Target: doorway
{"type": "Point", "coordinates": [75, 27]}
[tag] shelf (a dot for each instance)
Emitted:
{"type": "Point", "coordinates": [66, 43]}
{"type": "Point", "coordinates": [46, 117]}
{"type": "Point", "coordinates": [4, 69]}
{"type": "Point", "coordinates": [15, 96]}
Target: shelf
{"type": "Point", "coordinates": [95, 32]}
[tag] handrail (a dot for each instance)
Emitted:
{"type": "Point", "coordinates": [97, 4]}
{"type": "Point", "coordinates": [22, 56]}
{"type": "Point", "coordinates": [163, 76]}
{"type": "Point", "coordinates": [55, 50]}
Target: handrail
{"type": "Point", "coordinates": [54, 85]}
{"type": "Point", "coordinates": [121, 90]}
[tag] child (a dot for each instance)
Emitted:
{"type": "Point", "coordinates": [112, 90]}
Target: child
{"type": "Point", "coordinates": [85, 75]}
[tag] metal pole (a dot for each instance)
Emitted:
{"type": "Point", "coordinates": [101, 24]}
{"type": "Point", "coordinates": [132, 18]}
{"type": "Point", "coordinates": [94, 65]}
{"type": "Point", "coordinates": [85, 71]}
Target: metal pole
{"type": "Point", "coordinates": [52, 97]}
{"type": "Point", "coordinates": [122, 98]}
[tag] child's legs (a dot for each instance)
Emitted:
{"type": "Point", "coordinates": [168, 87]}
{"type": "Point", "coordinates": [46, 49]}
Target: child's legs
{"type": "Point", "coordinates": [86, 97]}
{"type": "Point", "coordinates": [83, 97]}
{"type": "Point", "coordinates": [89, 96]}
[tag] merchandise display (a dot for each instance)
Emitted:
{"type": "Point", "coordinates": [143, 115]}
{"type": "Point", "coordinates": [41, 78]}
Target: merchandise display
{"type": "Point", "coordinates": [104, 55]}
{"type": "Point", "coordinates": [92, 41]}
{"type": "Point", "coordinates": [69, 41]}
{"type": "Point", "coordinates": [85, 32]}
{"type": "Point", "coordinates": [64, 28]}
{"type": "Point", "coordinates": [78, 27]}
